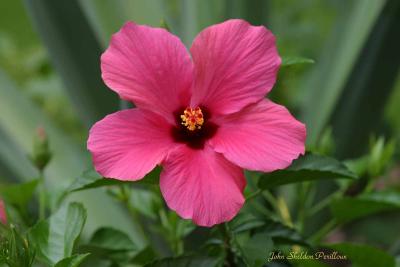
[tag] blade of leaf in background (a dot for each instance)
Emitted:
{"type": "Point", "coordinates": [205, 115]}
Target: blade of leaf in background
{"type": "Point", "coordinates": [325, 84]}
{"type": "Point", "coordinates": [208, 16]}
{"type": "Point", "coordinates": [189, 17]}
{"type": "Point", "coordinates": [107, 17]}
{"type": "Point", "coordinates": [19, 118]}
{"type": "Point", "coordinates": [254, 11]}
{"type": "Point", "coordinates": [75, 53]}
{"type": "Point", "coordinates": [13, 162]}
{"type": "Point", "coordinates": [360, 108]}
{"type": "Point", "coordinates": [332, 73]}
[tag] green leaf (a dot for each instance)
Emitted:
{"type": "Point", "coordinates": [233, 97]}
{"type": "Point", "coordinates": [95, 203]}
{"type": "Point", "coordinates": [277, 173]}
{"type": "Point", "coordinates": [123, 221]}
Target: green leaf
{"type": "Point", "coordinates": [364, 256]}
{"type": "Point", "coordinates": [144, 256]}
{"type": "Point", "coordinates": [244, 222]}
{"type": "Point", "coordinates": [147, 202]}
{"type": "Point", "coordinates": [19, 194]}
{"type": "Point", "coordinates": [91, 179]}
{"type": "Point", "coordinates": [289, 61]}
{"type": "Point", "coordinates": [347, 209]}
{"type": "Point", "coordinates": [184, 261]}
{"type": "Point", "coordinates": [75, 53]}
{"type": "Point", "coordinates": [257, 249]}
{"type": "Point", "coordinates": [279, 232]}
{"type": "Point", "coordinates": [282, 234]}
{"type": "Point", "coordinates": [112, 239]}
{"type": "Point", "coordinates": [55, 237]}
{"type": "Point", "coordinates": [306, 168]}
{"type": "Point", "coordinates": [73, 261]}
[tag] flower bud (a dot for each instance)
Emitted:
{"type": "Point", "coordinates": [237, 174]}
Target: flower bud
{"type": "Point", "coordinates": [41, 154]}
{"type": "Point", "coordinates": [3, 215]}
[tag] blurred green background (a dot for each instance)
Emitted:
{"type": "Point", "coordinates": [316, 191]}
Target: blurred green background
{"type": "Point", "coordinates": [49, 75]}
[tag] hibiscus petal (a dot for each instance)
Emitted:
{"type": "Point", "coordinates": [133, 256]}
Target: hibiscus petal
{"type": "Point", "coordinates": [148, 66]}
{"type": "Point", "coordinates": [128, 144]}
{"type": "Point", "coordinates": [202, 185]}
{"type": "Point", "coordinates": [262, 137]}
{"type": "Point", "coordinates": [235, 64]}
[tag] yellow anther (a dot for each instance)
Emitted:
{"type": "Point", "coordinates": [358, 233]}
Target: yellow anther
{"type": "Point", "coordinates": [192, 118]}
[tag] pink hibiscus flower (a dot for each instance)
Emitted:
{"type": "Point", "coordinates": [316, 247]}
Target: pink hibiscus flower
{"type": "Point", "coordinates": [203, 117]}
{"type": "Point", "coordinates": [3, 216]}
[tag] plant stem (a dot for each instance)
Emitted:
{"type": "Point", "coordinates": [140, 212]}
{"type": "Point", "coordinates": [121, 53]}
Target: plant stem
{"type": "Point", "coordinates": [126, 200]}
{"type": "Point", "coordinates": [254, 194]}
{"type": "Point", "coordinates": [322, 204]}
{"type": "Point", "coordinates": [42, 196]}
{"type": "Point", "coordinates": [280, 206]}
{"type": "Point", "coordinates": [284, 211]}
{"type": "Point", "coordinates": [302, 197]}
{"type": "Point", "coordinates": [271, 199]}
{"type": "Point", "coordinates": [229, 255]}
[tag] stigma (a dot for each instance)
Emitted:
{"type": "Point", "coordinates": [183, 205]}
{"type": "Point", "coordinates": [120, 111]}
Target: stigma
{"type": "Point", "coordinates": [192, 118]}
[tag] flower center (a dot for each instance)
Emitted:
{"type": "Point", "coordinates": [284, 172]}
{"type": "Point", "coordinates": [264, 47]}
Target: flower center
{"type": "Point", "coordinates": [192, 118]}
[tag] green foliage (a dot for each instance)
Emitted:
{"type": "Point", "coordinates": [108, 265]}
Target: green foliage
{"type": "Point", "coordinates": [19, 194]}
{"type": "Point", "coordinates": [56, 236]}
{"type": "Point", "coordinates": [364, 256]}
{"type": "Point", "coordinates": [348, 87]}
{"type": "Point", "coordinates": [186, 261]}
{"type": "Point", "coordinates": [15, 248]}
{"type": "Point", "coordinates": [257, 248]}
{"type": "Point", "coordinates": [380, 156]}
{"type": "Point", "coordinates": [280, 233]}
{"type": "Point", "coordinates": [73, 261]}
{"type": "Point", "coordinates": [112, 239]}
{"type": "Point", "coordinates": [91, 179]}
{"type": "Point", "coordinates": [245, 222]}
{"type": "Point", "coordinates": [349, 208]}
{"type": "Point", "coordinates": [144, 256]}
{"type": "Point", "coordinates": [376, 161]}
{"type": "Point", "coordinates": [312, 263]}
{"type": "Point", "coordinates": [307, 168]}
